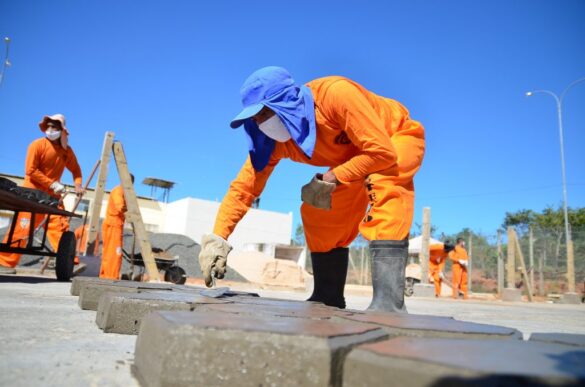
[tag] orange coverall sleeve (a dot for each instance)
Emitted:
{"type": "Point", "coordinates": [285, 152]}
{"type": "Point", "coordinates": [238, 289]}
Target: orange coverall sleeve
{"type": "Point", "coordinates": [32, 166]}
{"type": "Point", "coordinates": [358, 119]}
{"type": "Point", "coordinates": [118, 201]}
{"type": "Point", "coordinates": [247, 186]}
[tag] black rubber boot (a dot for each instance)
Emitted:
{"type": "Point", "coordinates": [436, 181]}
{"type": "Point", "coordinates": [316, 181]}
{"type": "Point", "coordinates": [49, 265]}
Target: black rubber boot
{"type": "Point", "coordinates": [329, 273]}
{"type": "Point", "coordinates": [388, 265]}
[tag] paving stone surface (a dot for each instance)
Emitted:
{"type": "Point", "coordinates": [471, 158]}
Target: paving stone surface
{"type": "Point", "coordinates": [413, 361]}
{"type": "Point", "coordinates": [90, 293]}
{"type": "Point", "coordinates": [123, 312]}
{"type": "Point", "coordinates": [221, 349]}
{"type": "Point", "coordinates": [400, 324]}
{"type": "Point", "coordinates": [559, 338]}
{"type": "Point", "coordinates": [78, 282]}
{"type": "Point", "coordinates": [277, 308]}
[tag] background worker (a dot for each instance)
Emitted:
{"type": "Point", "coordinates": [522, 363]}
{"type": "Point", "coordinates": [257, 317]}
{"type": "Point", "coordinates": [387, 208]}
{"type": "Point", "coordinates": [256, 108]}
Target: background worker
{"type": "Point", "coordinates": [460, 263]}
{"type": "Point", "coordinates": [113, 233]}
{"type": "Point", "coordinates": [372, 150]}
{"type": "Point", "coordinates": [46, 159]}
{"type": "Point", "coordinates": [437, 258]}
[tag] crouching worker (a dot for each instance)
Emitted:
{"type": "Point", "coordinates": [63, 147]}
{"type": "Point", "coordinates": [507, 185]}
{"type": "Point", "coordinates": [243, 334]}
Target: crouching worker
{"type": "Point", "coordinates": [372, 150]}
{"type": "Point", "coordinates": [437, 258]}
{"type": "Point", "coordinates": [113, 234]}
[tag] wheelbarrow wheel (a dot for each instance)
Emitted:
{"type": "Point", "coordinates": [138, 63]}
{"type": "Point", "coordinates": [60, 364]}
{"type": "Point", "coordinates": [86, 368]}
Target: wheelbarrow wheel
{"type": "Point", "coordinates": [65, 256]}
{"type": "Point", "coordinates": [176, 275]}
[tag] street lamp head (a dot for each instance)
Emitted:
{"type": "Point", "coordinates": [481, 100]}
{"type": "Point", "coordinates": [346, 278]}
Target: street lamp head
{"type": "Point", "coordinates": [528, 94]}
{"type": "Point", "coordinates": [7, 39]}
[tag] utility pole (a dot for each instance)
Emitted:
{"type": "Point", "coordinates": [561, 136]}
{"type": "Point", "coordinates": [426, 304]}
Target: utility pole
{"type": "Point", "coordinates": [500, 263]}
{"type": "Point", "coordinates": [469, 262]}
{"type": "Point", "coordinates": [531, 256]}
{"type": "Point", "coordinates": [424, 247]}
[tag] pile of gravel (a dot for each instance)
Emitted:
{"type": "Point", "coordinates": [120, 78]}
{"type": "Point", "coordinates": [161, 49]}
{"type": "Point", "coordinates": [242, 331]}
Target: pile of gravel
{"type": "Point", "coordinates": [175, 245]}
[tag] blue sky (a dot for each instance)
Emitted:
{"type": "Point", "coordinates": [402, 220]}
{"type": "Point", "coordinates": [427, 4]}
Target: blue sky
{"type": "Point", "coordinates": [165, 77]}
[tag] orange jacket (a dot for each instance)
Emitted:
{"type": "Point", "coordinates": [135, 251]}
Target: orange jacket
{"type": "Point", "coordinates": [358, 133]}
{"type": "Point", "coordinates": [458, 253]}
{"type": "Point", "coordinates": [45, 163]}
{"type": "Point", "coordinates": [437, 257]}
{"type": "Point", "coordinates": [115, 213]}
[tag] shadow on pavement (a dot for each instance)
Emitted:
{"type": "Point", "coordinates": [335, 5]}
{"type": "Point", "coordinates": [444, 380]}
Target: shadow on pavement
{"type": "Point", "coordinates": [8, 278]}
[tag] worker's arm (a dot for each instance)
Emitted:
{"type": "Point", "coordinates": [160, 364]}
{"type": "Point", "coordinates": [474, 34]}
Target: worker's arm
{"type": "Point", "coordinates": [345, 103]}
{"type": "Point", "coordinates": [247, 186]}
{"type": "Point", "coordinates": [32, 166]}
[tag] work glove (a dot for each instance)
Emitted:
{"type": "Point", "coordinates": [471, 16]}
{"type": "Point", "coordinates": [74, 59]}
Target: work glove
{"type": "Point", "coordinates": [317, 193]}
{"type": "Point", "coordinates": [442, 275]}
{"type": "Point", "coordinates": [57, 187]}
{"type": "Point", "coordinates": [462, 262]}
{"type": "Point", "coordinates": [213, 257]}
{"type": "Point", "coordinates": [78, 190]}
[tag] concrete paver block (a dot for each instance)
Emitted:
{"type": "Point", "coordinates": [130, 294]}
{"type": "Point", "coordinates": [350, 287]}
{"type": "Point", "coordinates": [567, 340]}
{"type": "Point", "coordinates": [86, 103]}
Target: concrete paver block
{"type": "Point", "coordinates": [559, 338]}
{"type": "Point", "coordinates": [512, 295]}
{"type": "Point", "coordinates": [78, 282]}
{"type": "Point", "coordinates": [123, 312]}
{"type": "Point", "coordinates": [412, 361]}
{"type": "Point", "coordinates": [277, 308]}
{"type": "Point", "coordinates": [90, 293]}
{"type": "Point", "coordinates": [403, 324]}
{"type": "Point", "coordinates": [570, 298]}
{"type": "Point", "coordinates": [424, 290]}
{"type": "Point", "coordinates": [210, 349]}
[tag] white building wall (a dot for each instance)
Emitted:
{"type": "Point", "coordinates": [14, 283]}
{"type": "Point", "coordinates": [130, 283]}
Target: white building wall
{"type": "Point", "coordinates": [195, 217]}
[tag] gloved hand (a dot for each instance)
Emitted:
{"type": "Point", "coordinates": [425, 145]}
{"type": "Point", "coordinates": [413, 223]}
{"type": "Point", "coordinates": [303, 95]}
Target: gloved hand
{"type": "Point", "coordinates": [462, 262]}
{"type": "Point", "coordinates": [57, 187]}
{"type": "Point", "coordinates": [317, 193]}
{"type": "Point", "coordinates": [442, 275]}
{"type": "Point", "coordinates": [78, 190]}
{"type": "Point", "coordinates": [213, 257]}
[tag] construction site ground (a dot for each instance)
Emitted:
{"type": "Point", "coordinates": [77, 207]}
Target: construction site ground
{"type": "Point", "coordinates": [48, 340]}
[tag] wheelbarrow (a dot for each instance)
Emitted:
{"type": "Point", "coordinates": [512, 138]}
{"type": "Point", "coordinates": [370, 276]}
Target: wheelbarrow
{"type": "Point", "coordinates": [164, 262]}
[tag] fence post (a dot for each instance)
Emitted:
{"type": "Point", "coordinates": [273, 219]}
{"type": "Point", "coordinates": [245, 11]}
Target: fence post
{"type": "Point", "coordinates": [500, 263]}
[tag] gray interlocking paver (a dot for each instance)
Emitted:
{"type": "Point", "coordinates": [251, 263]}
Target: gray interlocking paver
{"type": "Point", "coordinates": [90, 293]}
{"type": "Point", "coordinates": [402, 324]}
{"type": "Point", "coordinates": [123, 312]}
{"type": "Point", "coordinates": [418, 362]}
{"type": "Point", "coordinates": [223, 349]}
{"type": "Point", "coordinates": [559, 338]}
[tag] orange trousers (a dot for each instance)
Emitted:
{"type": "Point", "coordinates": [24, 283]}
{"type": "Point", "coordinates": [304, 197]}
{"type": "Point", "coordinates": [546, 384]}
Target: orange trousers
{"type": "Point", "coordinates": [389, 216]}
{"type": "Point", "coordinates": [57, 226]}
{"type": "Point", "coordinates": [459, 280]}
{"type": "Point", "coordinates": [437, 281]}
{"type": "Point", "coordinates": [112, 238]}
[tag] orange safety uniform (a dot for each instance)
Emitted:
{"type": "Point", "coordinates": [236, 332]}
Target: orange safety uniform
{"type": "Point", "coordinates": [81, 234]}
{"type": "Point", "coordinates": [374, 150]}
{"type": "Point", "coordinates": [437, 260]}
{"type": "Point", "coordinates": [45, 163]}
{"type": "Point", "coordinates": [113, 234]}
{"type": "Point", "coordinates": [459, 271]}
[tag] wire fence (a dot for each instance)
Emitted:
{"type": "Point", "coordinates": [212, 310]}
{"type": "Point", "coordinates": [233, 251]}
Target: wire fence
{"type": "Point", "coordinates": [544, 252]}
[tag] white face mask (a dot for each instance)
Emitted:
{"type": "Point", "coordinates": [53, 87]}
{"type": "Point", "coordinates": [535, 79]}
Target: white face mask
{"type": "Point", "coordinates": [275, 129]}
{"type": "Point", "coordinates": [52, 134]}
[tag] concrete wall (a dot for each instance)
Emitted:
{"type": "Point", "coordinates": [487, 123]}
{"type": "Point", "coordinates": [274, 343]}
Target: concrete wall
{"type": "Point", "coordinates": [195, 217]}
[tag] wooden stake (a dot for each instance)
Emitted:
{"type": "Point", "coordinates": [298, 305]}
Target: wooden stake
{"type": "Point", "coordinates": [133, 214]}
{"type": "Point", "coordinates": [523, 268]}
{"type": "Point", "coordinates": [511, 264]}
{"type": "Point", "coordinates": [96, 210]}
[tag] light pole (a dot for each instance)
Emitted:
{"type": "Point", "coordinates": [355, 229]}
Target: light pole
{"type": "Point", "coordinates": [6, 62]}
{"type": "Point", "coordinates": [559, 102]}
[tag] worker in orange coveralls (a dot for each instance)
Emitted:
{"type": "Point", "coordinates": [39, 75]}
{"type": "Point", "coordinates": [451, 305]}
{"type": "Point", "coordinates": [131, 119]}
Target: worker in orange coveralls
{"type": "Point", "coordinates": [460, 263]}
{"type": "Point", "coordinates": [437, 258]}
{"type": "Point", "coordinates": [372, 150]}
{"type": "Point", "coordinates": [46, 159]}
{"type": "Point", "coordinates": [113, 234]}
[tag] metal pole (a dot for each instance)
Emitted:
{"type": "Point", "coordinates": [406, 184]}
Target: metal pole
{"type": "Point", "coordinates": [569, 242]}
{"type": "Point", "coordinates": [424, 246]}
{"type": "Point", "coordinates": [6, 62]}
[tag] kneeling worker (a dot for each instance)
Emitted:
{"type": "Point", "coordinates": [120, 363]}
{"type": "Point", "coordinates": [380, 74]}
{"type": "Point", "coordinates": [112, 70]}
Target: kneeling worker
{"type": "Point", "coordinates": [372, 150]}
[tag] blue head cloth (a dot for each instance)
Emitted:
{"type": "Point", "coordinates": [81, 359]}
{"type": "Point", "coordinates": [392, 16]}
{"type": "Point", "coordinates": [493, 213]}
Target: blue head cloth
{"type": "Point", "coordinates": [274, 87]}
